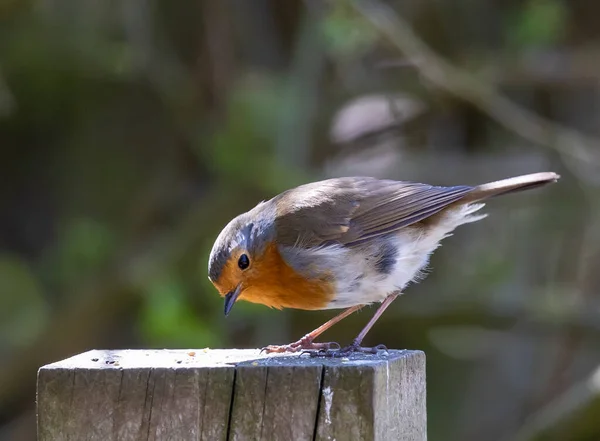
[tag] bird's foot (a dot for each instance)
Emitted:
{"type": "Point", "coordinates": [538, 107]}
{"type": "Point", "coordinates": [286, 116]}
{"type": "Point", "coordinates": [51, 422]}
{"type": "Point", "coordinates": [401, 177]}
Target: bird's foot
{"type": "Point", "coordinates": [304, 344]}
{"type": "Point", "coordinates": [355, 347]}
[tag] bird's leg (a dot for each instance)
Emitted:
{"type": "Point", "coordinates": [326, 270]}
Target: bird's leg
{"type": "Point", "coordinates": [306, 342]}
{"type": "Point", "coordinates": [355, 346]}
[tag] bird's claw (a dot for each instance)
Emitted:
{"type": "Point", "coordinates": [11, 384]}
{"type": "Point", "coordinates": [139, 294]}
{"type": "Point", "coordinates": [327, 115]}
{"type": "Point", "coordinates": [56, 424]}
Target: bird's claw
{"type": "Point", "coordinates": [304, 344]}
{"type": "Point", "coordinates": [321, 348]}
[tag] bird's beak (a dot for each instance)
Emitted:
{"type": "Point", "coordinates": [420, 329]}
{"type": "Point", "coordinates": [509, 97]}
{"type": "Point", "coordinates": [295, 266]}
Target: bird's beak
{"type": "Point", "coordinates": [231, 297]}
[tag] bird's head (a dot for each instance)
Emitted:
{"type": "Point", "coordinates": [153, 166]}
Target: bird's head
{"type": "Point", "coordinates": [237, 259]}
{"type": "Point", "coordinates": [245, 263]}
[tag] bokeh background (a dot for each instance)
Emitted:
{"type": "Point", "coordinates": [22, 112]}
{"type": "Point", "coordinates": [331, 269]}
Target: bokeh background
{"type": "Point", "coordinates": [131, 132]}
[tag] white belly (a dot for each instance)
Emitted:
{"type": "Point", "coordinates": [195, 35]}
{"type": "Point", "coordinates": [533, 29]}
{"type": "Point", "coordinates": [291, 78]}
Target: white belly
{"type": "Point", "coordinates": [358, 281]}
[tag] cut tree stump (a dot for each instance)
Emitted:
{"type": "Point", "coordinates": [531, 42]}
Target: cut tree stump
{"type": "Point", "coordinates": [232, 395]}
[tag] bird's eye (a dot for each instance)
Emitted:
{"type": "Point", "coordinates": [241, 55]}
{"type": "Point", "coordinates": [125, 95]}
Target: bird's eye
{"type": "Point", "coordinates": [243, 262]}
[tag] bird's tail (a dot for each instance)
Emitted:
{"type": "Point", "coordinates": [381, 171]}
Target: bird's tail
{"type": "Point", "coordinates": [509, 185]}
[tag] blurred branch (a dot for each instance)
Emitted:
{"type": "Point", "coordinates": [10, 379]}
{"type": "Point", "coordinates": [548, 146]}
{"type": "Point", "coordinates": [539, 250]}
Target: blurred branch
{"type": "Point", "coordinates": [573, 338]}
{"type": "Point", "coordinates": [566, 141]}
{"type": "Point", "coordinates": [573, 415]}
{"type": "Point", "coordinates": [573, 66]}
{"type": "Point", "coordinates": [581, 319]}
{"type": "Point", "coordinates": [7, 101]}
{"type": "Point", "coordinates": [302, 96]}
{"type": "Point", "coordinates": [156, 60]}
{"type": "Point", "coordinates": [220, 60]}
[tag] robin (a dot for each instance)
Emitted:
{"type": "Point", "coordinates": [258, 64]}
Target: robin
{"type": "Point", "coordinates": [343, 243]}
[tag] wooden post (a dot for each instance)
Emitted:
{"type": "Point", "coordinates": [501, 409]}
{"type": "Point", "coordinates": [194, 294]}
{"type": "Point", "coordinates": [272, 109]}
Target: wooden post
{"type": "Point", "coordinates": [232, 395]}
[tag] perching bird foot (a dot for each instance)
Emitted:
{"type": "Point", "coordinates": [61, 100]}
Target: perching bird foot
{"type": "Point", "coordinates": [304, 344]}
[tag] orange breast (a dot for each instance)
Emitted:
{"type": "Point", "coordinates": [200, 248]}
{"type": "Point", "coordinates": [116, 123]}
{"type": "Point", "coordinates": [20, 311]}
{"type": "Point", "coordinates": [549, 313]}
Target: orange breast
{"type": "Point", "coordinates": [274, 283]}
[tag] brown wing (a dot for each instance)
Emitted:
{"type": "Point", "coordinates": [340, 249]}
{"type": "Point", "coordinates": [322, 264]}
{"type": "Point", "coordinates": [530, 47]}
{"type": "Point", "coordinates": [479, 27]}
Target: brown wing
{"type": "Point", "coordinates": [353, 210]}
{"type": "Point", "coordinates": [315, 213]}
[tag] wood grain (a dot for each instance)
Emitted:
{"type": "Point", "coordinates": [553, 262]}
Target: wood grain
{"type": "Point", "coordinates": [232, 395]}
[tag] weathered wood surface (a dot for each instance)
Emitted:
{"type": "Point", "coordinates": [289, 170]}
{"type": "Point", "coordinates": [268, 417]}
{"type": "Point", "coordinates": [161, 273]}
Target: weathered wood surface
{"type": "Point", "coordinates": [232, 395]}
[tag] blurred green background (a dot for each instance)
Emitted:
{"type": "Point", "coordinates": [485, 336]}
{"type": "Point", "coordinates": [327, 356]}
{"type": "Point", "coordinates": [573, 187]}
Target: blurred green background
{"type": "Point", "coordinates": [132, 131]}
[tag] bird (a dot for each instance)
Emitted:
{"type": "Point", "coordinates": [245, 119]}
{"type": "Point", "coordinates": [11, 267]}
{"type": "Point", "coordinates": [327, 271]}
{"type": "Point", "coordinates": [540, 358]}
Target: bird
{"type": "Point", "coordinates": [344, 243]}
